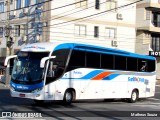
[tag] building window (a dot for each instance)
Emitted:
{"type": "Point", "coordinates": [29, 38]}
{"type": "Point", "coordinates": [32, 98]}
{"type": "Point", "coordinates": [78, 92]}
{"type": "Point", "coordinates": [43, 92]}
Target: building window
{"type": "Point", "coordinates": [111, 5]}
{"type": "Point", "coordinates": [97, 4]}
{"type": "Point", "coordinates": [155, 42]}
{"type": "Point", "coordinates": [96, 31]}
{"type": "Point", "coordinates": [17, 30]}
{"type": "Point", "coordinates": [156, 19]}
{"type": "Point", "coordinates": [18, 4]}
{"type": "Point", "coordinates": [1, 7]}
{"type": "Point", "coordinates": [1, 31]}
{"type": "Point", "coordinates": [39, 1]}
{"type": "Point", "coordinates": [27, 3]}
{"type": "Point", "coordinates": [24, 29]}
{"type": "Point", "coordinates": [110, 33]}
{"type": "Point", "coordinates": [80, 30]}
{"type": "Point", "coordinates": [81, 3]}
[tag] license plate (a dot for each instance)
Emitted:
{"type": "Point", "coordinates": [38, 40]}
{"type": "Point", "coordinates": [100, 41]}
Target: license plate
{"type": "Point", "coordinates": [21, 95]}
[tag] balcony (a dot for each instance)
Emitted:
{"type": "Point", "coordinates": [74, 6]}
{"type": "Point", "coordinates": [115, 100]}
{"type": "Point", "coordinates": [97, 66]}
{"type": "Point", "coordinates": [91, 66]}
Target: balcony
{"type": "Point", "coordinates": [153, 5]}
{"type": "Point", "coordinates": [149, 25]}
{"type": "Point", "coordinates": [148, 20]}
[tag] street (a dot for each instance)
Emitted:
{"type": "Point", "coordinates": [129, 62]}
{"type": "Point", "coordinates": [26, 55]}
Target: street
{"type": "Point", "coordinates": [115, 109]}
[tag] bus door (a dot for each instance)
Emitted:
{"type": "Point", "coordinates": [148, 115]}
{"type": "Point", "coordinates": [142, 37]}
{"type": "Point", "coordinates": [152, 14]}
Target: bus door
{"type": "Point", "coordinates": [50, 82]}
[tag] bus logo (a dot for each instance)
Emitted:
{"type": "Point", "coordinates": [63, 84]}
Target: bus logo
{"type": "Point", "coordinates": [136, 79]}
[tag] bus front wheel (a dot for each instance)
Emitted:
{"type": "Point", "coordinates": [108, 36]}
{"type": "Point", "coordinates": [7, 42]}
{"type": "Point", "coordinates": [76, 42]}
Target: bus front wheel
{"type": "Point", "coordinates": [68, 97]}
{"type": "Point", "coordinates": [134, 96]}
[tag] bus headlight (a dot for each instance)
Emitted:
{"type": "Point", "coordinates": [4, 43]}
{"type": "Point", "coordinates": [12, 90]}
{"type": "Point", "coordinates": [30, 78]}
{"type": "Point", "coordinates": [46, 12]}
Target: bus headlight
{"type": "Point", "coordinates": [37, 90]}
{"type": "Point", "coordinates": [12, 88]}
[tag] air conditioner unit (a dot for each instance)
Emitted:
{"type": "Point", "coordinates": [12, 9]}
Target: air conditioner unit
{"type": "Point", "coordinates": [119, 16]}
{"type": "Point", "coordinates": [45, 24]}
{"type": "Point", "coordinates": [25, 11]}
{"type": "Point", "coordinates": [38, 37]}
{"type": "Point", "coordinates": [39, 8]}
{"type": "Point", "coordinates": [24, 38]}
{"type": "Point", "coordinates": [14, 13]}
{"type": "Point", "coordinates": [114, 43]}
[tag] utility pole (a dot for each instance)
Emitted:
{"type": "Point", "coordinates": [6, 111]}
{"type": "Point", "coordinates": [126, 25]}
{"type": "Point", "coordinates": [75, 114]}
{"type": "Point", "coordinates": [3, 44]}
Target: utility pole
{"type": "Point", "coordinates": [8, 40]}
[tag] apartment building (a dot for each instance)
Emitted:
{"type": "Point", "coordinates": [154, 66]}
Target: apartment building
{"type": "Point", "coordinates": [109, 23]}
{"type": "Point", "coordinates": [23, 24]}
{"type": "Point", "coordinates": [148, 30]}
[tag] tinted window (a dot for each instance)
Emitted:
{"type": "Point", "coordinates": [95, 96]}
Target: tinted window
{"type": "Point", "coordinates": [107, 61]}
{"type": "Point", "coordinates": [151, 65]}
{"type": "Point", "coordinates": [131, 64]}
{"type": "Point", "coordinates": [77, 58]}
{"type": "Point", "coordinates": [60, 62]}
{"type": "Point", "coordinates": [142, 65]}
{"type": "Point", "coordinates": [92, 60]}
{"type": "Point", "coordinates": [61, 56]}
{"type": "Point", "coordinates": [120, 62]}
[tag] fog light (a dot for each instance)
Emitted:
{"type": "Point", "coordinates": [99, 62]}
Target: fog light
{"type": "Point", "coordinates": [37, 95]}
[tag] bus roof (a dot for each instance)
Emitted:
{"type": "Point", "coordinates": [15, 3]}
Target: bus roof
{"type": "Point", "coordinates": [101, 49]}
{"type": "Point", "coordinates": [50, 46]}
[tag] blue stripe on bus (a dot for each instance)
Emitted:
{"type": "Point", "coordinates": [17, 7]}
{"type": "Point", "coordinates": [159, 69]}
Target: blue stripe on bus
{"type": "Point", "coordinates": [110, 77]}
{"type": "Point", "coordinates": [92, 74]}
{"type": "Point", "coordinates": [26, 87]}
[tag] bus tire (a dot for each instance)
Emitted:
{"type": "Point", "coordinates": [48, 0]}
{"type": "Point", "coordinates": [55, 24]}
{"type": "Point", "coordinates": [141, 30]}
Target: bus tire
{"type": "Point", "coordinates": [39, 102]}
{"type": "Point", "coordinates": [68, 97]}
{"type": "Point", "coordinates": [134, 96]}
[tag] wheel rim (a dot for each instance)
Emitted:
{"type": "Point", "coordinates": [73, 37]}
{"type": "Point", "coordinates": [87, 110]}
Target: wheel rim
{"type": "Point", "coordinates": [134, 96]}
{"type": "Point", "coordinates": [68, 96]}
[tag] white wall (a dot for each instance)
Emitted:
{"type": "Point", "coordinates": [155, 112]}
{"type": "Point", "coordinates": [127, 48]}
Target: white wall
{"type": "Point", "coordinates": [125, 33]}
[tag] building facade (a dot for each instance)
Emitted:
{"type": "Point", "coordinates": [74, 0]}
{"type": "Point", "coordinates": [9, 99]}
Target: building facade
{"type": "Point", "coordinates": [148, 30]}
{"type": "Point", "coordinates": [23, 24]}
{"type": "Point", "coordinates": [100, 22]}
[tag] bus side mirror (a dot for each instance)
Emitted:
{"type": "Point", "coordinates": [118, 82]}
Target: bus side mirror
{"type": "Point", "coordinates": [43, 60]}
{"type": "Point", "coordinates": [8, 59]}
{"type": "Point", "coordinates": [8, 63]}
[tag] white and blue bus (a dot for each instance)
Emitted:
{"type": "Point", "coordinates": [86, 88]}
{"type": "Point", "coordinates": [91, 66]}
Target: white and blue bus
{"type": "Point", "coordinates": [73, 71]}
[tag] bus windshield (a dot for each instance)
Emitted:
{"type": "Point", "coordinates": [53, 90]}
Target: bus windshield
{"type": "Point", "coordinates": [26, 67]}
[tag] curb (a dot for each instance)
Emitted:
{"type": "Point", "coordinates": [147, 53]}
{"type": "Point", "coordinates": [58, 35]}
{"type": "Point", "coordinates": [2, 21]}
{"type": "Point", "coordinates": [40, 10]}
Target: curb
{"type": "Point", "coordinates": [3, 85]}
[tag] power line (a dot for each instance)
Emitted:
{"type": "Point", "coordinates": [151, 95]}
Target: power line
{"type": "Point", "coordinates": [118, 7]}
{"type": "Point", "coordinates": [41, 11]}
{"type": "Point", "coordinates": [94, 15]}
{"type": "Point", "coordinates": [90, 15]}
{"type": "Point", "coordinates": [91, 35]}
{"type": "Point", "coordinates": [26, 6]}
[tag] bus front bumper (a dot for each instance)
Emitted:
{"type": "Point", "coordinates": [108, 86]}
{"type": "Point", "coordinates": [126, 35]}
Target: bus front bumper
{"type": "Point", "coordinates": [36, 95]}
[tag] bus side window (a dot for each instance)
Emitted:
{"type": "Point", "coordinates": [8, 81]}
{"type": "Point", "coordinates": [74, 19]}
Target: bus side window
{"type": "Point", "coordinates": [151, 65]}
{"type": "Point", "coordinates": [142, 65]}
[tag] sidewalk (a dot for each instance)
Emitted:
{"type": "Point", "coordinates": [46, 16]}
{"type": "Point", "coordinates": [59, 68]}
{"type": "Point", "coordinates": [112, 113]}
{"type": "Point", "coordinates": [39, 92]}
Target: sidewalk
{"type": "Point", "coordinates": [3, 85]}
{"type": "Point", "coordinates": [157, 82]}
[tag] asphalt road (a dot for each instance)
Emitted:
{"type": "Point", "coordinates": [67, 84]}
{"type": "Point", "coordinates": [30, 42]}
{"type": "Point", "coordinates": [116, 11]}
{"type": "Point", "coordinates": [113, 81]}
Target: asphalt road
{"type": "Point", "coordinates": [82, 109]}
